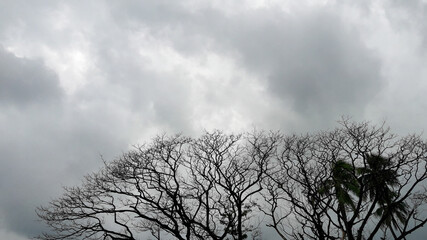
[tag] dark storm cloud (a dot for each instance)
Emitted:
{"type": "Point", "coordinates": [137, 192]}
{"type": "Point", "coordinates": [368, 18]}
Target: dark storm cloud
{"type": "Point", "coordinates": [47, 139]}
{"type": "Point", "coordinates": [313, 59]}
{"type": "Point", "coordinates": [25, 81]}
{"type": "Point", "coordinates": [29, 91]}
{"type": "Point", "coordinates": [316, 63]}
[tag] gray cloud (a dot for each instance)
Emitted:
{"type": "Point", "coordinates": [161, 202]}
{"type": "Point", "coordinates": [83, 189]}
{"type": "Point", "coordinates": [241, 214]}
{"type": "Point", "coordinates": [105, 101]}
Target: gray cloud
{"type": "Point", "coordinates": [314, 60]}
{"type": "Point", "coordinates": [25, 81]}
{"type": "Point", "coordinates": [43, 149]}
{"type": "Point", "coordinates": [48, 140]}
{"type": "Point", "coordinates": [409, 16]}
{"type": "Point", "coordinates": [29, 95]}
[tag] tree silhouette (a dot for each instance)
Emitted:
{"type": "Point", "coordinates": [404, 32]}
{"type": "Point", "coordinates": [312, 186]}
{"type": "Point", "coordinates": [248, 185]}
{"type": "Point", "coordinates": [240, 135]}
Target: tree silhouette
{"type": "Point", "coordinates": [342, 183]}
{"type": "Point", "coordinates": [188, 188]}
{"type": "Point", "coordinates": [380, 178]}
{"type": "Point", "coordinates": [354, 182]}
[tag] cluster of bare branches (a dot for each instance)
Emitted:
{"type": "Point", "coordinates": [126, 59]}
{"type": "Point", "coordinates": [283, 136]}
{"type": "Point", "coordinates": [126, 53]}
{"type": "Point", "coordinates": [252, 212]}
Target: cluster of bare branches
{"type": "Point", "coordinates": [355, 182]}
{"type": "Point", "coordinates": [189, 188]}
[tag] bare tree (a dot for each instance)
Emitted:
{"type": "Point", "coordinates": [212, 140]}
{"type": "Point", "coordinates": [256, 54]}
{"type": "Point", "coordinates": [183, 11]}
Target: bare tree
{"type": "Point", "coordinates": [226, 177]}
{"type": "Point", "coordinates": [188, 188]}
{"type": "Point", "coordinates": [355, 182]}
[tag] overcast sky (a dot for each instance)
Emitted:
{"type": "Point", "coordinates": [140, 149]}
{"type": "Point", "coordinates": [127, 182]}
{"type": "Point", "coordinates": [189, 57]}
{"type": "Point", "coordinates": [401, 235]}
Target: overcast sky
{"type": "Point", "coordinates": [85, 79]}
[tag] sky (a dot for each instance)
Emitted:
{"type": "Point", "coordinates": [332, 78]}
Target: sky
{"type": "Point", "coordinates": [82, 81]}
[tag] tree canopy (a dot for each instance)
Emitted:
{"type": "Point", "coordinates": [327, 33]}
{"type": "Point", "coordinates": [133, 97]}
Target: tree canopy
{"type": "Point", "coordinates": [354, 182]}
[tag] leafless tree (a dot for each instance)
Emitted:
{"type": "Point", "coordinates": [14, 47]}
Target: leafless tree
{"type": "Point", "coordinates": [187, 188]}
{"type": "Point", "coordinates": [355, 182]}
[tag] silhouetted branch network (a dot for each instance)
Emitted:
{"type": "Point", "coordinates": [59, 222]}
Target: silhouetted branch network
{"type": "Point", "coordinates": [355, 182]}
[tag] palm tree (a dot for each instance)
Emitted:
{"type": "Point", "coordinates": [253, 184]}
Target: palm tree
{"type": "Point", "coordinates": [374, 181]}
{"type": "Point", "coordinates": [342, 183]}
{"type": "Point", "coordinates": [379, 178]}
